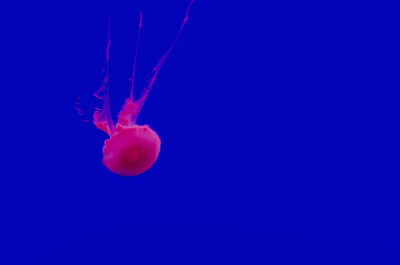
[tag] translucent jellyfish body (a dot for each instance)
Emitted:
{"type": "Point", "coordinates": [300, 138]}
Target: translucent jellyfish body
{"type": "Point", "coordinates": [131, 149]}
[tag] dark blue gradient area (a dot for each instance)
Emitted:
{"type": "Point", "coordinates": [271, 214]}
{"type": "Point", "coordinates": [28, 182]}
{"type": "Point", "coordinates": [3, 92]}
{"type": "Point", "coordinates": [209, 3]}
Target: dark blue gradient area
{"type": "Point", "coordinates": [276, 123]}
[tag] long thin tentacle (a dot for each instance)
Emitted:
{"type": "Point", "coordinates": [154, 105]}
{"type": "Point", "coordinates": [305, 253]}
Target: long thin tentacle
{"type": "Point", "coordinates": [158, 66]}
{"type": "Point", "coordinates": [102, 118]}
{"type": "Point", "coordinates": [136, 52]}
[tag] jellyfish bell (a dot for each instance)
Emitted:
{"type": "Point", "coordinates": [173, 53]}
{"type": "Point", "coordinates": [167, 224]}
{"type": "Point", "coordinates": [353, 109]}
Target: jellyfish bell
{"type": "Point", "coordinates": [131, 150]}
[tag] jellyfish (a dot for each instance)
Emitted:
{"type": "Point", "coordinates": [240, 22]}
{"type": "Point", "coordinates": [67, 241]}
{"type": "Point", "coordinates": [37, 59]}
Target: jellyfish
{"type": "Point", "coordinates": [131, 149]}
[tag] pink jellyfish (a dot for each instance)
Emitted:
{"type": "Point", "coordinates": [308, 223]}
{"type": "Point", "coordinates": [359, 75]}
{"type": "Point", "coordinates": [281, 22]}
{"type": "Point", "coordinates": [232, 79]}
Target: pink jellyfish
{"type": "Point", "coordinates": [131, 149]}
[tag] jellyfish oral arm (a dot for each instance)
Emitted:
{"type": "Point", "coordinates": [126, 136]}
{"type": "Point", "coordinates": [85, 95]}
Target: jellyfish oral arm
{"type": "Point", "coordinates": [131, 108]}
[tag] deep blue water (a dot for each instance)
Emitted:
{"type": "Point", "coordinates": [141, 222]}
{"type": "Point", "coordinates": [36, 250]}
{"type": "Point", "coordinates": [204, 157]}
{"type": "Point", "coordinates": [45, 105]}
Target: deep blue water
{"type": "Point", "coordinates": [275, 138]}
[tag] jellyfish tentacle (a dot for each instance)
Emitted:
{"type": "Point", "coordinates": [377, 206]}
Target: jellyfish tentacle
{"type": "Point", "coordinates": [139, 102]}
{"type": "Point", "coordinates": [160, 62]}
{"type": "Point", "coordinates": [130, 110]}
{"type": "Point", "coordinates": [102, 118]}
{"type": "Point", "coordinates": [130, 107]}
{"type": "Point", "coordinates": [136, 52]}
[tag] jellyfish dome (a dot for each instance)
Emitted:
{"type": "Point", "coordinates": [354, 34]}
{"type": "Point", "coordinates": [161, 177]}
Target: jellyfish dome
{"type": "Point", "coordinates": [131, 151]}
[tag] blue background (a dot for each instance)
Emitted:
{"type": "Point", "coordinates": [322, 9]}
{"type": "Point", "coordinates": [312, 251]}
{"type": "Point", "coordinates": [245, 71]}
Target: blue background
{"type": "Point", "coordinates": [275, 139]}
